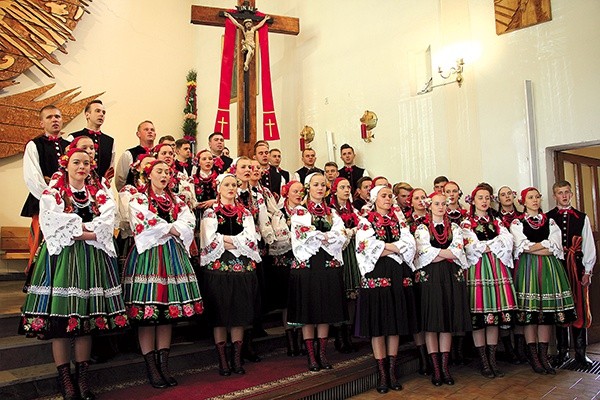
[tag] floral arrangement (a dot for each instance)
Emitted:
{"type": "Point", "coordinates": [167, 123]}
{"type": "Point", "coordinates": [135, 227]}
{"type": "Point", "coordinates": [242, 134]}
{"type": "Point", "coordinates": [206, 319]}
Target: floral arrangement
{"type": "Point", "coordinates": [190, 111]}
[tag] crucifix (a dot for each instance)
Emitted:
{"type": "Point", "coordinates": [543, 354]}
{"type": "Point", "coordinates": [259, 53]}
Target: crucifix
{"type": "Point", "coordinates": [246, 14]}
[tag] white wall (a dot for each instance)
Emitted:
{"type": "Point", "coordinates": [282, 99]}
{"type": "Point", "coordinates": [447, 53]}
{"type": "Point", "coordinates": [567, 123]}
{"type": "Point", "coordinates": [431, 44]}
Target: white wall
{"type": "Point", "coordinates": [351, 56]}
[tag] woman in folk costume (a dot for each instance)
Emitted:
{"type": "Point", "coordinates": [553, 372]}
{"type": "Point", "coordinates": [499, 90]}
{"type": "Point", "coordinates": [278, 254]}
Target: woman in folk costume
{"type": "Point", "coordinates": [543, 293]}
{"type": "Point", "coordinates": [417, 215]}
{"type": "Point", "coordinates": [229, 254]}
{"type": "Point", "coordinates": [74, 288]}
{"type": "Point", "coordinates": [455, 210]}
{"type": "Point", "coordinates": [205, 180]}
{"type": "Point", "coordinates": [159, 284]}
{"type": "Point", "coordinates": [506, 205]}
{"type": "Point", "coordinates": [254, 201]}
{"type": "Point", "coordinates": [316, 291]}
{"type": "Point", "coordinates": [507, 212]}
{"type": "Point", "coordinates": [488, 246]}
{"type": "Point", "coordinates": [385, 250]}
{"type": "Point", "coordinates": [444, 299]}
{"type": "Point", "coordinates": [340, 202]}
{"type": "Point", "coordinates": [282, 255]}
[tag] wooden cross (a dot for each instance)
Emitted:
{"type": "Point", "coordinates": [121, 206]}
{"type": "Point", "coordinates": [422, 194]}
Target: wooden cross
{"type": "Point", "coordinates": [213, 16]}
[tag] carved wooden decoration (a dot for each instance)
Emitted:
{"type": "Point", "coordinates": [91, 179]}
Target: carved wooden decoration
{"type": "Point", "coordinates": [20, 121]}
{"type": "Point", "coordinates": [30, 31]}
{"type": "Point", "coordinates": [516, 14]}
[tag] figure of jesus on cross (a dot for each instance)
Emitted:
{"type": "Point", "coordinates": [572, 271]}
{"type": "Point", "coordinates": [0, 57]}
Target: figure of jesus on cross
{"type": "Point", "coordinates": [247, 13]}
{"type": "Point", "coordinates": [249, 31]}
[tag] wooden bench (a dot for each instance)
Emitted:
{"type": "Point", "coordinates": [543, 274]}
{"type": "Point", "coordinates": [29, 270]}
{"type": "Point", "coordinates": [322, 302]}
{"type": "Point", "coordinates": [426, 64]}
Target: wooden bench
{"type": "Point", "coordinates": [14, 243]}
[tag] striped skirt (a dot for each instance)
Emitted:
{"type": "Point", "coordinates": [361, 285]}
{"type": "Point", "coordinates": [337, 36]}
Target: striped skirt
{"type": "Point", "coordinates": [492, 297]}
{"type": "Point", "coordinates": [160, 286]}
{"type": "Point", "coordinates": [73, 293]}
{"type": "Point", "coordinates": [543, 292]}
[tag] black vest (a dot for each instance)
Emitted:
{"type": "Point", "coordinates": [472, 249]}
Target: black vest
{"type": "Point", "coordinates": [304, 172]}
{"type": "Point", "coordinates": [536, 235]}
{"type": "Point", "coordinates": [353, 176]}
{"type": "Point", "coordinates": [570, 225]}
{"type": "Point", "coordinates": [48, 153]}
{"type": "Point", "coordinates": [184, 168]}
{"type": "Point", "coordinates": [103, 152]}
{"type": "Point", "coordinates": [272, 180]}
{"type": "Point", "coordinates": [135, 152]}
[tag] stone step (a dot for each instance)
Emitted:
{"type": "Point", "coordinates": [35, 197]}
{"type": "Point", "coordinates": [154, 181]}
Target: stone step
{"type": "Point", "coordinates": [9, 324]}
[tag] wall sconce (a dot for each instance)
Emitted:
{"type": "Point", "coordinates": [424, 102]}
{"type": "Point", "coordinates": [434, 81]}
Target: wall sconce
{"type": "Point", "coordinates": [368, 122]}
{"type": "Point", "coordinates": [307, 135]}
{"type": "Point", "coordinates": [456, 71]}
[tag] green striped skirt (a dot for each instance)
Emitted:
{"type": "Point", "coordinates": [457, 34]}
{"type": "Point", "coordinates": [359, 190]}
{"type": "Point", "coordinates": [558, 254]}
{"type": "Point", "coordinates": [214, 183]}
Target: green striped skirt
{"type": "Point", "coordinates": [160, 286]}
{"type": "Point", "coordinates": [492, 296]}
{"type": "Point", "coordinates": [73, 293]}
{"type": "Point", "coordinates": [543, 292]}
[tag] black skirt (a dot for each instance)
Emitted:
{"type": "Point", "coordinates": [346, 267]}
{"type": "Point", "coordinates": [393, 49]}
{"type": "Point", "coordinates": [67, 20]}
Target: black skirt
{"type": "Point", "coordinates": [386, 301]}
{"type": "Point", "coordinates": [444, 298]}
{"type": "Point", "coordinates": [230, 296]}
{"type": "Point", "coordinates": [278, 280]}
{"type": "Point", "coordinates": [316, 291]}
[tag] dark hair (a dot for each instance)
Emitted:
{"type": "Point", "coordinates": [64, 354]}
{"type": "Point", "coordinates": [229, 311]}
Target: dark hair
{"type": "Point", "coordinates": [212, 135]}
{"type": "Point", "coordinates": [89, 105]}
{"type": "Point", "coordinates": [308, 149]}
{"type": "Point", "coordinates": [346, 146]}
{"type": "Point", "coordinates": [362, 180]}
{"type": "Point", "coordinates": [180, 142]}
{"type": "Point", "coordinates": [440, 179]}
{"type": "Point", "coordinates": [166, 137]}
{"type": "Point", "coordinates": [331, 164]}
{"type": "Point", "coordinates": [560, 184]}
{"type": "Point", "coordinates": [272, 150]}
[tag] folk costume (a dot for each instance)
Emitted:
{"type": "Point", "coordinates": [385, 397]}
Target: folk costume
{"type": "Point", "coordinates": [386, 302]}
{"type": "Point", "coordinates": [74, 288]}
{"type": "Point", "coordinates": [444, 297]}
{"type": "Point", "coordinates": [578, 244]}
{"type": "Point", "coordinates": [230, 284]}
{"type": "Point", "coordinates": [229, 279]}
{"type": "Point", "coordinates": [492, 297]}
{"type": "Point", "coordinates": [316, 291]}
{"type": "Point", "coordinates": [543, 292]}
{"type": "Point", "coordinates": [159, 285]}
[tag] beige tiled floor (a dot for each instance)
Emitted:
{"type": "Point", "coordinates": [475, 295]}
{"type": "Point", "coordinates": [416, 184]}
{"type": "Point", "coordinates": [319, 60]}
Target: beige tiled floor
{"type": "Point", "coordinates": [520, 382]}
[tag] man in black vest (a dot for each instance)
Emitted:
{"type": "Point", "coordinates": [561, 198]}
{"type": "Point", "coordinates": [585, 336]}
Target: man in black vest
{"type": "Point", "coordinates": [216, 143]}
{"type": "Point", "coordinates": [349, 170]}
{"type": "Point", "coordinates": [183, 156]}
{"type": "Point", "coordinates": [146, 134]}
{"type": "Point", "coordinates": [275, 161]}
{"type": "Point", "coordinates": [270, 177]}
{"type": "Point", "coordinates": [40, 162]}
{"type": "Point", "coordinates": [309, 157]}
{"type": "Point", "coordinates": [105, 145]}
{"type": "Point", "coordinates": [580, 257]}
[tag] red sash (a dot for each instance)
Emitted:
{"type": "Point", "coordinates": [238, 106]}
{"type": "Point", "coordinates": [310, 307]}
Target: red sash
{"type": "Point", "coordinates": [580, 293]}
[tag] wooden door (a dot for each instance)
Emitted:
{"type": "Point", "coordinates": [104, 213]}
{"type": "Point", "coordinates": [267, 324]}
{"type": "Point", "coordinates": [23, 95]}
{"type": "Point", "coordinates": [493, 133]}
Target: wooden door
{"type": "Point", "coordinates": [584, 174]}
